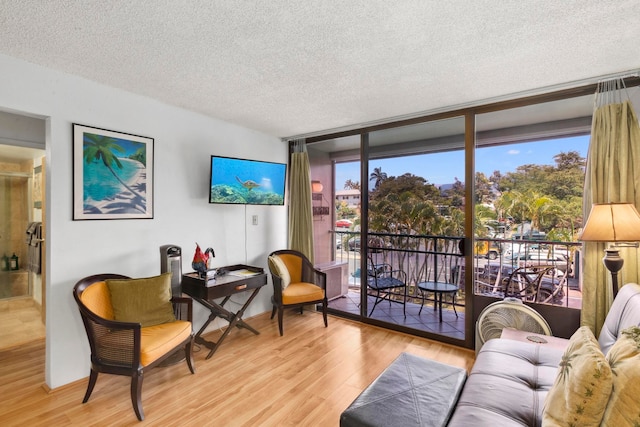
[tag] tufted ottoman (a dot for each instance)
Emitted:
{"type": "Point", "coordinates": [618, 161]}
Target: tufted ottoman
{"type": "Point", "coordinates": [412, 391]}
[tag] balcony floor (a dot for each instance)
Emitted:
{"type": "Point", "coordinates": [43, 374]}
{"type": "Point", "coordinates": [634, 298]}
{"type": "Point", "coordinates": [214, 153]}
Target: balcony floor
{"type": "Point", "coordinates": [428, 320]}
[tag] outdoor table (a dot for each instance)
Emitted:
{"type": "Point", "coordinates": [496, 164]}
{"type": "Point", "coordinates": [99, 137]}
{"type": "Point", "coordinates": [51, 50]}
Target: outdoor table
{"type": "Point", "coordinates": [439, 289]}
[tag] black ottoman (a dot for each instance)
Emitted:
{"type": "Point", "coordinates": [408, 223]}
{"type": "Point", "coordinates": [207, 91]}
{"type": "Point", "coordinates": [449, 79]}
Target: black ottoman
{"type": "Point", "coordinates": [412, 391]}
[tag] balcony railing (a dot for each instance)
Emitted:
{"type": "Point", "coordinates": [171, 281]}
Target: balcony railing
{"type": "Point", "coordinates": [532, 270]}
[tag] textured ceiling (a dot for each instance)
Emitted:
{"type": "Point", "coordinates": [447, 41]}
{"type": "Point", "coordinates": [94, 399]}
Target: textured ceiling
{"type": "Point", "coordinates": [291, 67]}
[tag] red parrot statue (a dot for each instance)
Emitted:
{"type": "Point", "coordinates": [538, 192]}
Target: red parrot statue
{"type": "Point", "coordinates": [200, 261]}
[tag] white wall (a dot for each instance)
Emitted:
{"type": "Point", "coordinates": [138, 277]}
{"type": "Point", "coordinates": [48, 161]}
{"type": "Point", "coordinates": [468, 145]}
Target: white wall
{"type": "Point", "coordinates": [183, 144]}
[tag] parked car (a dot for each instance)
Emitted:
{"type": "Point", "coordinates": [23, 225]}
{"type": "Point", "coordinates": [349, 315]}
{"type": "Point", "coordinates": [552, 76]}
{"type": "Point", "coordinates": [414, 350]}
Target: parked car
{"type": "Point", "coordinates": [491, 250]}
{"type": "Point", "coordinates": [376, 244]}
{"type": "Point", "coordinates": [343, 223]}
{"type": "Point", "coordinates": [543, 258]}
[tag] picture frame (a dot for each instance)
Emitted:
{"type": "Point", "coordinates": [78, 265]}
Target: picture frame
{"type": "Point", "coordinates": [112, 174]}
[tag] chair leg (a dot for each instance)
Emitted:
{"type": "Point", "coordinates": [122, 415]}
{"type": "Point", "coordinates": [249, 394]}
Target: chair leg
{"type": "Point", "coordinates": [453, 303]}
{"type": "Point", "coordinates": [376, 302]}
{"type": "Point", "coordinates": [136, 394]}
{"type": "Point", "coordinates": [280, 320]}
{"type": "Point", "coordinates": [273, 311]}
{"type": "Point", "coordinates": [93, 377]}
{"type": "Point", "coordinates": [189, 356]}
{"type": "Point", "coordinates": [404, 303]}
{"type": "Point", "coordinates": [324, 313]}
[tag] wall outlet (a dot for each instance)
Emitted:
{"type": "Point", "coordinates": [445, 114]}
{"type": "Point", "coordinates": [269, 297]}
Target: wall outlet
{"type": "Point", "coordinates": [254, 220]}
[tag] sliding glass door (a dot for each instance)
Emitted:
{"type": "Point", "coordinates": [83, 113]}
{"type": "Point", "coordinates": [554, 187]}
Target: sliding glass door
{"type": "Point", "coordinates": [418, 222]}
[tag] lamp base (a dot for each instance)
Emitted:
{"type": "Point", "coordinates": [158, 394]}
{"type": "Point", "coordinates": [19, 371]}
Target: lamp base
{"type": "Point", "coordinates": [614, 263]}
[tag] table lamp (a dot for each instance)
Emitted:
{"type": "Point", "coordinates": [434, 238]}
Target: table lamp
{"type": "Point", "coordinates": [613, 222]}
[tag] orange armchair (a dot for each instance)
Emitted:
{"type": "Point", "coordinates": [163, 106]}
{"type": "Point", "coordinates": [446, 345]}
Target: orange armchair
{"type": "Point", "coordinates": [127, 347]}
{"type": "Point", "coordinates": [296, 283]}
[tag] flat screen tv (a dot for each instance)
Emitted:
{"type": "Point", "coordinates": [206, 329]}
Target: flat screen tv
{"type": "Point", "coordinates": [246, 182]}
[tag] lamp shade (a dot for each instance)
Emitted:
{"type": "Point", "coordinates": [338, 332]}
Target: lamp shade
{"type": "Point", "coordinates": [316, 187]}
{"type": "Point", "coordinates": [612, 222]}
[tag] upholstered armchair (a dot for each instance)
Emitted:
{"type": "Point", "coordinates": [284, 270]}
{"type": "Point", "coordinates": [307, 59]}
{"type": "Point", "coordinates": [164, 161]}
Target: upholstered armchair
{"type": "Point", "coordinates": [132, 325]}
{"type": "Point", "coordinates": [296, 283]}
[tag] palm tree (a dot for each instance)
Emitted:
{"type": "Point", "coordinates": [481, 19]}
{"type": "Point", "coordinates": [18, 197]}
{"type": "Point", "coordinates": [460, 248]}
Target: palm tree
{"type": "Point", "coordinates": [378, 176]}
{"type": "Point", "coordinates": [351, 185]}
{"type": "Point", "coordinates": [99, 147]}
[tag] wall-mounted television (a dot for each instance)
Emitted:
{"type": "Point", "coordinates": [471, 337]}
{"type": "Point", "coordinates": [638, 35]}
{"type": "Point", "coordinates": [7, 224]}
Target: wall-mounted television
{"type": "Point", "coordinates": [246, 182]}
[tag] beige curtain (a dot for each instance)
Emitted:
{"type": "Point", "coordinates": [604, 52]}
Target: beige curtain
{"type": "Point", "coordinates": [300, 208]}
{"type": "Point", "coordinates": [612, 175]}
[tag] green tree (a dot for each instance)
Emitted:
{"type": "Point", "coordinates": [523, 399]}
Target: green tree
{"type": "Point", "coordinates": [377, 176]}
{"type": "Point", "coordinates": [456, 193]}
{"type": "Point", "coordinates": [344, 211]}
{"type": "Point", "coordinates": [483, 188]}
{"type": "Point", "coordinates": [352, 185]}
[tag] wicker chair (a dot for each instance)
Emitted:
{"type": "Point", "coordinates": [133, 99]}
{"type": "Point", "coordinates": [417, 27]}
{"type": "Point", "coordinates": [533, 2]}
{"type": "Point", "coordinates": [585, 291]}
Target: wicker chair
{"type": "Point", "coordinates": [126, 348]}
{"type": "Point", "coordinates": [296, 283]}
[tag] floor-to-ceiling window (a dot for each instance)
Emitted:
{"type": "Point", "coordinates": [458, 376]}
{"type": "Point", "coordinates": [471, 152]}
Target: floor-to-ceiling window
{"type": "Point", "coordinates": [402, 200]}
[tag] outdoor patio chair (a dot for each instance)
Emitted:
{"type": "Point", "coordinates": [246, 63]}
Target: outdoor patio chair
{"type": "Point", "coordinates": [552, 285]}
{"type": "Point", "coordinates": [525, 282]}
{"type": "Point", "coordinates": [387, 284]}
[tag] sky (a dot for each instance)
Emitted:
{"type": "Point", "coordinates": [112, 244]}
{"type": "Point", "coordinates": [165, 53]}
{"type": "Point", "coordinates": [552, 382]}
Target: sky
{"type": "Point", "coordinates": [443, 168]}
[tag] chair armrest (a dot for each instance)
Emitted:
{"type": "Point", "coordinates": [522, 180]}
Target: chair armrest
{"type": "Point", "coordinates": [312, 275]}
{"type": "Point", "coordinates": [183, 308]}
{"type": "Point", "coordinates": [400, 275]}
{"type": "Point", "coordinates": [320, 278]}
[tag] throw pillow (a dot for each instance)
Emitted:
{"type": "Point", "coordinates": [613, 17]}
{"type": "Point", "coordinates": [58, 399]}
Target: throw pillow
{"type": "Point", "coordinates": [582, 387]}
{"type": "Point", "coordinates": [281, 270]}
{"type": "Point", "coordinates": [146, 301]}
{"type": "Point", "coordinates": [624, 358]}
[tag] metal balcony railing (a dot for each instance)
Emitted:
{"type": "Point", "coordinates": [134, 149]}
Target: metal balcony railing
{"type": "Point", "coordinates": [533, 270]}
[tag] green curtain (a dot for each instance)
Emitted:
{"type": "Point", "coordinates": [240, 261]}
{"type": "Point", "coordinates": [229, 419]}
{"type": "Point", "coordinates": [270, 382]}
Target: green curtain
{"type": "Point", "coordinates": [612, 175]}
{"type": "Point", "coordinates": [300, 207]}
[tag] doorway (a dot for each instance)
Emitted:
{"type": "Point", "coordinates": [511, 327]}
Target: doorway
{"type": "Point", "coordinates": [22, 172]}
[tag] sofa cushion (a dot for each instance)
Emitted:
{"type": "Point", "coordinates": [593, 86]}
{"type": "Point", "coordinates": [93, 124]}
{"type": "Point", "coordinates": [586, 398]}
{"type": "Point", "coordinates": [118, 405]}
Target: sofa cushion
{"type": "Point", "coordinates": [146, 301]}
{"type": "Point", "coordinates": [624, 358]}
{"type": "Point", "coordinates": [281, 270]}
{"type": "Point", "coordinates": [507, 385]}
{"type": "Point", "coordinates": [582, 387]}
{"type": "Point", "coordinates": [624, 312]}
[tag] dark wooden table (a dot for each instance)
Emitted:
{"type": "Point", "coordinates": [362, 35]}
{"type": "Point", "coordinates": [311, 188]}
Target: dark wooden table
{"type": "Point", "coordinates": [207, 291]}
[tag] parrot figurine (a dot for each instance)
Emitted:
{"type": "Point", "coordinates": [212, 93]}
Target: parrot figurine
{"type": "Point", "coordinates": [199, 262]}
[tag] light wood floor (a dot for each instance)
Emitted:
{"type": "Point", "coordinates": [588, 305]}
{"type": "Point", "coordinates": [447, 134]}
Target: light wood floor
{"type": "Point", "coordinates": [20, 322]}
{"type": "Point", "coordinates": [305, 378]}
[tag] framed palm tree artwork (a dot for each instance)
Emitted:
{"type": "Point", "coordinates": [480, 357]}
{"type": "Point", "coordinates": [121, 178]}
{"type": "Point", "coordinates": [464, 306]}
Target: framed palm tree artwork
{"type": "Point", "coordinates": [112, 174]}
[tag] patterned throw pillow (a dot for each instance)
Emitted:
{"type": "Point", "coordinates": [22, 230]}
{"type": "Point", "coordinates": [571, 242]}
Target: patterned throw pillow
{"type": "Point", "coordinates": [582, 388]}
{"type": "Point", "coordinates": [624, 357]}
{"type": "Point", "coordinates": [281, 270]}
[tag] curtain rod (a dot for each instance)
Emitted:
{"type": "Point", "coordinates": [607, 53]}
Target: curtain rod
{"type": "Point", "coordinates": [621, 77]}
{"type": "Point", "coordinates": [533, 92]}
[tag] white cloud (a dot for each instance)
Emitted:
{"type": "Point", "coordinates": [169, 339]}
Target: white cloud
{"type": "Point", "coordinates": [513, 152]}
